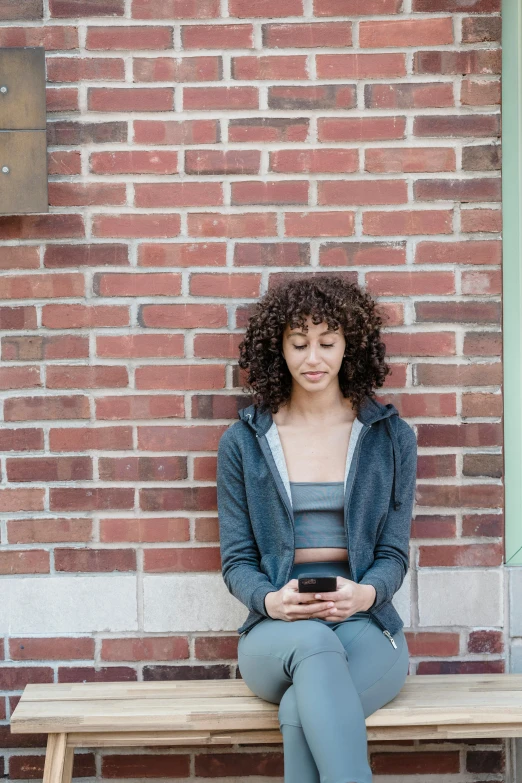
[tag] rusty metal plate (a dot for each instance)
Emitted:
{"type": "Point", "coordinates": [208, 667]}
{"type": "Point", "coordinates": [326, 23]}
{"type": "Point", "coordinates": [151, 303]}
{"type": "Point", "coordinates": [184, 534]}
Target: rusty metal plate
{"type": "Point", "coordinates": [22, 88]}
{"type": "Point", "coordinates": [23, 172]}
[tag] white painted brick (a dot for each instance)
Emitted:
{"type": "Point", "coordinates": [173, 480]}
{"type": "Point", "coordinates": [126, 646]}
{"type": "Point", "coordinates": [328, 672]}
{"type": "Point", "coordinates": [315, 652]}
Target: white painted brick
{"type": "Point", "coordinates": [190, 602]}
{"type": "Point", "coordinates": [68, 604]}
{"type": "Point", "coordinates": [402, 600]}
{"type": "Point", "coordinates": [468, 597]}
{"type": "Point", "coordinates": [515, 604]}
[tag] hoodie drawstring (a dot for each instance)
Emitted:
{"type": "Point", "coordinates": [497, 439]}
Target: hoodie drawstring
{"type": "Point", "coordinates": [397, 502]}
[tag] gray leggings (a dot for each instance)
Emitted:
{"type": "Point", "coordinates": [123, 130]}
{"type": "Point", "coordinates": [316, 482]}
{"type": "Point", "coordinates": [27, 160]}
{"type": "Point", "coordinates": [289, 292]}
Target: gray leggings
{"type": "Point", "coordinates": [327, 677]}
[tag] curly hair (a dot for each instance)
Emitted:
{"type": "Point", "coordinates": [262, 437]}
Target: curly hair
{"type": "Point", "coordinates": [324, 297]}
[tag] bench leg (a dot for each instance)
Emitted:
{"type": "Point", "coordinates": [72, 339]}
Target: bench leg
{"type": "Point", "coordinates": [58, 760]}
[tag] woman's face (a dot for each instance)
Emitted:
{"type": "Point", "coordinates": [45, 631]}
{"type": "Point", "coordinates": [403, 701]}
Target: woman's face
{"type": "Point", "coordinates": [314, 356]}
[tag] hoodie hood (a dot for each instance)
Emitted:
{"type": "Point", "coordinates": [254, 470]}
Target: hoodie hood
{"type": "Point", "coordinates": [370, 411]}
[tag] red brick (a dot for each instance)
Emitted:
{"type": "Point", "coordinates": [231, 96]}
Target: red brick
{"type": "Point", "coordinates": [24, 561]}
{"type": "Point", "coordinates": [130, 99]}
{"type": "Point", "coordinates": [480, 92]}
{"type": "Point", "coordinates": [150, 284]}
{"type": "Point", "coordinates": [49, 226]}
{"type": "Point", "coordinates": [323, 224]}
{"type": "Point", "coordinates": [157, 765]}
{"type": "Point", "coordinates": [176, 131]}
{"type": "Point", "coordinates": [91, 674]}
{"type": "Point", "coordinates": [48, 531]}
{"type": "Point", "coordinates": [142, 468]}
{"type": "Point", "coordinates": [21, 499]}
{"type": "Point", "coordinates": [457, 6]}
{"type": "Point", "coordinates": [62, 99]}
{"type": "Point", "coordinates": [80, 316]}
{"type": "Point", "coordinates": [486, 642]}
{"type": "Point", "coordinates": [308, 35]}
{"type": "Point", "coordinates": [455, 125]}
{"type": "Point", "coordinates": [62, 376]}
{"type": "Point", "coordinates": [222, 161]}
{"type": "Point", "coordinates": [487, 220]}
{"type": "Point", "coordinates": [418, 762]}
{"type": "Point", "coordinates": [356, 7]}
{"type": "Point", "coordinates": [268, 763]}
{"type": "Point", "coordinates": [51, 37]}
{"type": "Point", "coordinates": [212, 98]}
{"type": "Point", "coordinates": [268, 129]}
{"type": "Point", "coordinates": [484, 157]}
{"type": "Point", "coordinates": [21, 439]}
{"type": "Point", "coordinates": [249, 224]}
{"type": "Point", "coordinates": [187, 69]}
{"type": "Point", "coordinates": [45, 469]}
{"type": "Point", "coordinates": [380, 191]}
{"type": "Point", "coordinates": [407, 223]}
{"type": "Point", "coordinates": [360, 65]}
{"type": "Point", "coordinates": [182, 559]}
{"type": "Point", "coordinates": [110, 38]}
{"type": "Point", "coordinates": [178, 194]}
{"type": "Point", "coordinates": [481, 252]}
{"type": "Point", "coordinates": [17, 318]}
{"type": "Point", "coordinates": [23, 9]}
{"type": "Point", "coordinates": [77, 8]}
{"type": "Point", "coordinates": [60, 346]}
{"type": "Point", "coordinates": [236, 285]}
{"type": "Point", "coordinates": [139, 530]}
{"type": "Point", "coordinates": [411, 284]}
{"type": "Point", "coordinates": [360, 128]}
{"type": "Point", "coordinates": [177, 438]}
{"type": "Point", "coordinates": [332, 161]}
{"type": "Point", "coordinates": [175, 9]}
{"type": "Point", "coordinates": [139, 407]}
{"type": "Point", "coordinates": [312, 97]}
{"type": "Point", "coordinates": [275, 192]}
{"type": "Point", "coordinates": [64, 162]}
{"type": "Point", "coordinates": [75, 69]}
{"type": "Point", "coordinates": [457, 189]}
{"type": "Point", "coordinates": [406, 32]}
{"type": "Point", "coordinates": [156, 648]}
{"type": "Point", "coordinates": [476, 29]}
{"type": "Point", "coordinates": [70, 133]}
{"type": "Point", "coordinates": [60, 256]}
{"type": "Point", "coordinates": [181, 254]}
{"type": "Point", "coordinates": [135, 162]}
{"type": "Point", "coordinates": [12, 257]}
{"type": "Point", "coordinates": [15, 678]}
{"type": "Point", "coordinates": [463, 62]}
{"type": "Point", "coordinates": [183, 316]}
{"type": "Point", "coordinates": [90, 438]}
{"type": "Point", "coordinates": [43, 286]}
{"type": "Point", "coordinates": [140, 345]}
{"type": "Point", "coordinates": [222, 36]}
{"type": "Point", "coordinates": [271, 254]}
{"type": "Point", "coordinates": [362, 254]}
{"type": "Point", "coordinates": [94, 499]}
{"type": "Point", "coordinates": [408, 96]}
{"type": "Point", "coordinates": [73, 194]}
{"type": "Point", "coordinates": [136, 225]}
{"type": "Point", "coordinates": [180, 376]}
{"type": "Point", "coordinates": [469, 555]}
{"type": "Point", "coordinates": [271, 67]}
{"type": "Point", "coordinates": [19, 377]}
{"type": "Point", "coordinates": [54, 649]}
{"type": "Point", "coordinates": [409, 159]}
{"type": "Point", "coordinates": [89, 560]}
{"type": "Point", "coordinates": [265, 8]}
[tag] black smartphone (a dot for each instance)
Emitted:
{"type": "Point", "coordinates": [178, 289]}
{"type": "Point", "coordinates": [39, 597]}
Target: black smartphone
{"type": "Point", "coordinates": [313, 583]}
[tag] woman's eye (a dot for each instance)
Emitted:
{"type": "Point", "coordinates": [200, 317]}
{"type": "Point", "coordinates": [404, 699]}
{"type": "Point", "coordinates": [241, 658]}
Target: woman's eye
{"type": "Point", "coordinates": [323, 345]}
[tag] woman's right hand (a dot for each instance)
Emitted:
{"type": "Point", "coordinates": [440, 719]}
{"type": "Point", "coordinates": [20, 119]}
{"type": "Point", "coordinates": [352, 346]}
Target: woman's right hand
{"type": "Point", "coordinates": [289, 604]}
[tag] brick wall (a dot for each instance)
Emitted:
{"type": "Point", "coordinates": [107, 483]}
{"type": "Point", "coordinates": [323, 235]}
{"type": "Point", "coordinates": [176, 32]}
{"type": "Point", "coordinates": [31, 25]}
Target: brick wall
{"type": "Point", "coordinates": [200, 150]}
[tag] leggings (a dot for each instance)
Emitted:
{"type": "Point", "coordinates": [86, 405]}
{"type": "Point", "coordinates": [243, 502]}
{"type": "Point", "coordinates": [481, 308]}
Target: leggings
{"type": "Point", "coordinates": [327, 677]}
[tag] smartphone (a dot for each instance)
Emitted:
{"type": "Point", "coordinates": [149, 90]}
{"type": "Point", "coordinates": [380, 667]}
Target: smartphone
{"type": "Point", "coordinates": [314, 583]}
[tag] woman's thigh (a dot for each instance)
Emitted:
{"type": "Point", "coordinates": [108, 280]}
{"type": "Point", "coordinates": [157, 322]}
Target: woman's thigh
{"type": "Point", "coordinates": [270, 651]}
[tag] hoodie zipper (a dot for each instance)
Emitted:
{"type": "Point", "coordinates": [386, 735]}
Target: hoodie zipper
{"type": "Point", "coordinates": [290, 517]}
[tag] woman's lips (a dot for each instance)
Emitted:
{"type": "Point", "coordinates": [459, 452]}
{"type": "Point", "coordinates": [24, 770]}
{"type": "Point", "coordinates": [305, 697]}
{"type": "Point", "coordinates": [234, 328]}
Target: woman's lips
{"type": "Point", "coordinates": [313, 375]}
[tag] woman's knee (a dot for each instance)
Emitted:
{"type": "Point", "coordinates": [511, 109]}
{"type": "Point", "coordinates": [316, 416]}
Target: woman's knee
{"type": "Point", "coordinates": [288, 712]}
{"type": "Point", "coordinates": [308, 637]}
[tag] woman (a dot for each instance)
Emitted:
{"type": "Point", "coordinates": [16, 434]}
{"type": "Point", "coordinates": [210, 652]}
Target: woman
{"type": "Point", "coordinates": [318, 477]}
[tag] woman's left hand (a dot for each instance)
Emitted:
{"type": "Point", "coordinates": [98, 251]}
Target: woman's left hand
{"type": "Point", "coordinates": [349, 598]}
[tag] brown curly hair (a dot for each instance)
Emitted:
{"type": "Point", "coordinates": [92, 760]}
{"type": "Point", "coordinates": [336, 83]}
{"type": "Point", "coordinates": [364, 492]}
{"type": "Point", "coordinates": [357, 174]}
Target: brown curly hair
{"type": "Point", "coordinates": [324, 297]}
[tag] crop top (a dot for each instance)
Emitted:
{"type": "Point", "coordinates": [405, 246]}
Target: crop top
{"type": "Point", "coordinates": [318, 513]}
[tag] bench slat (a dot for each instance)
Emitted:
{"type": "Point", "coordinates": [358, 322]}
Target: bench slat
{"type": "Point", "coordinates": [195, 706]}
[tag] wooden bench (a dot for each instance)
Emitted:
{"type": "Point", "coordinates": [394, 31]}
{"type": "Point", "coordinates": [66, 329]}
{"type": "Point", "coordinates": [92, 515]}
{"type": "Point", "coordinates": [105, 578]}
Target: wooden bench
{"type": "Point", "coordinates": [225, 712]}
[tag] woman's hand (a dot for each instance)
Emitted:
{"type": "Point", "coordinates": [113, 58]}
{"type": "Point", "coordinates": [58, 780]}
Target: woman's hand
{"type": "Point", "coordinates": [349, 598]}
{"type": "Point", "coordinates": [289, 604]}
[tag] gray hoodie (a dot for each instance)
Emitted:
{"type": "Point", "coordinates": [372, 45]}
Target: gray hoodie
{"type": "Point", "coordinates": [256, 522]}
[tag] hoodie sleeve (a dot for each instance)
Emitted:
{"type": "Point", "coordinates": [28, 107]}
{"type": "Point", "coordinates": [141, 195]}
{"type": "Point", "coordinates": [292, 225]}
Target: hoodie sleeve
{"type": "Point", "coordinates": [240, 558]}
{"type": "Point", "coordinates": [391, 554]}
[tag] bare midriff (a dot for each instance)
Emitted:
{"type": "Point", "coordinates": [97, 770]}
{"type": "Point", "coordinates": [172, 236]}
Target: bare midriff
{"type": "Point", "coordinates": [316, 554]}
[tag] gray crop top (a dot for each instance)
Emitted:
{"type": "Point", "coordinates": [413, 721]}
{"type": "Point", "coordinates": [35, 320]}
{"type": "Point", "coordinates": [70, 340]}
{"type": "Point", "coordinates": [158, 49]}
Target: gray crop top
{"type": "Point", "coordinates": [318, 513]}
